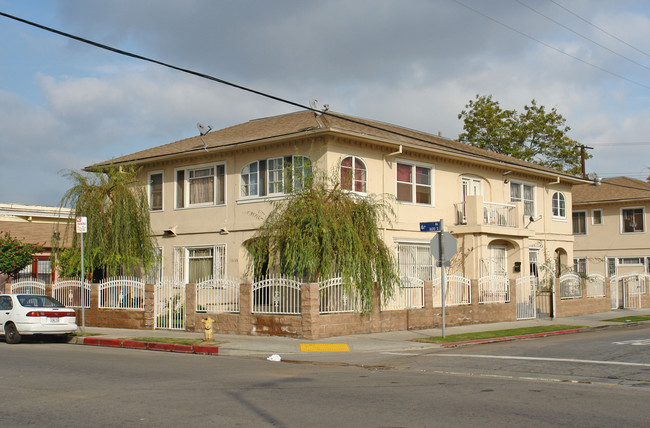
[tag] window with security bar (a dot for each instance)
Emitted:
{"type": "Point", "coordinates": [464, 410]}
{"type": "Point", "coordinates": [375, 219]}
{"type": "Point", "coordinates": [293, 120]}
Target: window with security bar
{"type": "Point", "coordinates": [195, 264]}
{"type": "Point", "coordinates": [415, 260]}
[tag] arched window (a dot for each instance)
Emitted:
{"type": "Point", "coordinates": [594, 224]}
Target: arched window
{"type": "Point", "coordinates": [559, 205]}
{"type": "Point", "coordinates": [353, 174]}
{"type": "Point", "coordinates": [249, 179]}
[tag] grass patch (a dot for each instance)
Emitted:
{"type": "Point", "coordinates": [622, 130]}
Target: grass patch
{"type": "Point", "coordinates": [635, 318]}
{"type": "Point", "coordinates": [178, 341]}
{"type": "Point", "coordinates": [496, 333]}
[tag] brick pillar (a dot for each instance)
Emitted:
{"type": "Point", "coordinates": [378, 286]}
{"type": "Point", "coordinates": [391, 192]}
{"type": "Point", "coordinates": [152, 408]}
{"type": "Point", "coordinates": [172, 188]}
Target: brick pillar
{"type": "Point", "coordinates": [149, 302]}
{"type": "Point", "coordinates": [48, 290]}
{"type": "Point", "coordinates": [374, 318]}
{"type": "Point", "coordinates": [245, 325]}
{"type": "Point", "coordinates": [190, 309]}
{"type": "Point", "coordinates": [473, 291]}
{"type": "Point", "coordinates": [310, 308]}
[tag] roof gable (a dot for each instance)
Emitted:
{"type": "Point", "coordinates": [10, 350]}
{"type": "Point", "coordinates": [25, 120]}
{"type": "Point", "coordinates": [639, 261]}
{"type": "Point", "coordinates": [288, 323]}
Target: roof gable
{"type": "Point", "coordinates": [612, 190]}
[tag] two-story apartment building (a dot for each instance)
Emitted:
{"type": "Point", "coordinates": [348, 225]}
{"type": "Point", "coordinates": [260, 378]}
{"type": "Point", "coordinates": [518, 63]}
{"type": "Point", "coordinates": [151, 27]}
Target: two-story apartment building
{"type": "Point", "coordinates": [209, 193]}
{"type": "Point", "coordinates": [610, 225]}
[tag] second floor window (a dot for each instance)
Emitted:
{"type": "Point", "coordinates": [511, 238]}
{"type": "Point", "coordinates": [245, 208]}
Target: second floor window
{"type": "Point", "coordinates": [632, 220]}
{"type": "Point", "coordinates": [559, 205]}
{"type": "Point", "coordinates": [200, 186]}
{"type": "Point", "coordinates": [274, 176]}
{"type": "Point", "coordinates": [579, 223]}
{"type": "Point", "coordinates": [156, 191]}
{"type": "Point", "coordinates": [353, 174]}
{"type": "Point", "coordinates": [522, 192]}
{"type": "Point", "coordinates": [414, 183]}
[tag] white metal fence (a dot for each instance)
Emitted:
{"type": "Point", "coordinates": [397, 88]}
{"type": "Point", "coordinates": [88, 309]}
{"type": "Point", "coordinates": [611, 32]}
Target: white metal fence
{"type": "Point", "coordinates": [497, 214]}
{"type": "Point", "coordinates": [276, 295]}
{"type": "Point", "coordinates": [408, 295]}
{"type": "Point", "coordinates": [526, 297]}
{"type": "Point", "coordinates": [494, 289]}
{"type": "Point", "coordinates": [217, 295]}
{"type": "Point", "coordinates": [28, 286]}
{"type": "Point", "coordinates": [457, 291]}
{"type": "Point", "coordinates": [570, 286]}
{"type": "Point", "coordinates": [333, 297]}
{"type": "Point", "coordinates": [71, 291]}
{"type": "Point", "coordinates": [121, 292]}
{"type": "Point", "coordinates": [596, 286]}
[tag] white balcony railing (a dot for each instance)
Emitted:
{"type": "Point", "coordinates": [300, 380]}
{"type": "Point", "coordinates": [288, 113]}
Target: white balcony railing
{"type": "Point", "coordinates": [494, 214]}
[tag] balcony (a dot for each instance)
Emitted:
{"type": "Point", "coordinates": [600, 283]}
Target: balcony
{"type": "Point", "coordinates": [476, 212]}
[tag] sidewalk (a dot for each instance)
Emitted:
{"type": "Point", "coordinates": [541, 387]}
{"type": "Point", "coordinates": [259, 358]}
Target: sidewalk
{"type": "Point", "coordinates": [363, 348]}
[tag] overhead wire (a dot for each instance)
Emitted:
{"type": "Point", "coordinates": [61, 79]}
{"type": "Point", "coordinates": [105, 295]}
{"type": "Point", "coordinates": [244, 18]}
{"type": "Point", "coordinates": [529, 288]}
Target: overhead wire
{"type": "Point", "coordinates": [443, 147]}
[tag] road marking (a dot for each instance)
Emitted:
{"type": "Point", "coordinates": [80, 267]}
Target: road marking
{"type": "Point", "coordinates": [636, 342]}
{"type": "Point", "coordinates": [324, 347]}
{"type": "Point", "coordinates": [563, 360]}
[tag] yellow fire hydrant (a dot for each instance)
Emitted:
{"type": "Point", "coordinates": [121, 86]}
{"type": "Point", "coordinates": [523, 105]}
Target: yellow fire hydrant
{"type": "Point", "coordinates": [207, 328]}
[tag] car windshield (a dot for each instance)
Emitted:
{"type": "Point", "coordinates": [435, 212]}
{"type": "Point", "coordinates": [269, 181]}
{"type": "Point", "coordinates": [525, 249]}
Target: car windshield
{"type": "Point", "coordinates": [31, 301]}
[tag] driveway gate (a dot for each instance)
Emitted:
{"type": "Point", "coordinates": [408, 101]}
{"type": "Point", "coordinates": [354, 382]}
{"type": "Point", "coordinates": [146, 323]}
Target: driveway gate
{"type": "Point", "coordinates": [169, 305]}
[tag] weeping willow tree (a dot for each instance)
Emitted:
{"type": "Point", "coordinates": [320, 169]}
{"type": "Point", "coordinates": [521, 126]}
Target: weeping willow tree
{"type": "Point", "coordinates": [119, 232]}
{"type": "Point", "coordinates": [322, 230]}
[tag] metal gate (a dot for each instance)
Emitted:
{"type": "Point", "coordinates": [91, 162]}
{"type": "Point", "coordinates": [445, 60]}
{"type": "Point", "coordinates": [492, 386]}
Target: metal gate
{"type": "Point", "coordinates": [526, 296]}
{"type": "Point", "coordinates": [632, 290]}
{"type": "Point", "coordinates": [169, 305]}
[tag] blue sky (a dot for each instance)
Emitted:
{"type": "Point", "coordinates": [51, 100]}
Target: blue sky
{"type": "Point", "coordinates": [66, 105]}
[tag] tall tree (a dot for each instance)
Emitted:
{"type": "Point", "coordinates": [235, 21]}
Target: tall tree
{"type": "Point", "coordinates": [15, 255]}
{"type": "Point", "coordinates": [535, 135]}
{"type": "Point", "coordinates": [322, 230]}
{"type": "Point", "coordinates": [119, 232]}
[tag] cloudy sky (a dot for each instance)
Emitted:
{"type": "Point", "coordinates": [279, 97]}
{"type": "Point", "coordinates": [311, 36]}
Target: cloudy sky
{"type": "Point", "coordinates": [416, 63]}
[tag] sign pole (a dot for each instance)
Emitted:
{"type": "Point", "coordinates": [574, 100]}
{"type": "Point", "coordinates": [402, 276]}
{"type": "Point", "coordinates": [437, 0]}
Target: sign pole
{"type": "Point", "coordinates": [83, 287]}
{"type": "Point", "coordinates": [442, 275]}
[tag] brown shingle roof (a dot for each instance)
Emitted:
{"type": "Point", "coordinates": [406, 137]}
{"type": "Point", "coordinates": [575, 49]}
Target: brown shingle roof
{"type": "Point", "coordinates": [306, 122]}
{"type": "Point", "coordinates": [612, 190]}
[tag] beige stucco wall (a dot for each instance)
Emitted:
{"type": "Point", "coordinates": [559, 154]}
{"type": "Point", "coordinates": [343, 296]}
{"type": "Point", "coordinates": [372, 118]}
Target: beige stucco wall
{"type": "Point", "coordinates": [234, 222]}
{"type": "Point", "coordinates": [608, 240]}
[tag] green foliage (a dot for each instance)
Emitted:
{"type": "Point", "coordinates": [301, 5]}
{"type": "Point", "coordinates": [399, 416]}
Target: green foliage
{"type": "Point", "coordinates": [535, 135]}
{"type": "Point", "coordinates": [15, 255]}
{"type": "Point", "coordinates": [321, 230]}
{"type": "Point", "coordinates": [119, 232]}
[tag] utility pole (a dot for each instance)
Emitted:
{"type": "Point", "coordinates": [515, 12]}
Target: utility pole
{"type": "Point", "coordinates": [582, 158]}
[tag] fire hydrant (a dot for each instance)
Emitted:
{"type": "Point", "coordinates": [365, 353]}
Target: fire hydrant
{"type": "Point", "coordinates": [207, 328]}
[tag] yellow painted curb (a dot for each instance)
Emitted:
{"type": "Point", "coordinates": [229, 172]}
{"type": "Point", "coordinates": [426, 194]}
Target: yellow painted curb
{"type": "Point", "coordinates": [324, 347]}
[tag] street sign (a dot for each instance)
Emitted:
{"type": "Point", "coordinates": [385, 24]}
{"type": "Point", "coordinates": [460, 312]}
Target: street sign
{"type": "Point", "coordinates": [82, 224]}
{"type": "Point", "coordinates": [449, 247]}
{"type": "Point", "coordinates": [430, 226]}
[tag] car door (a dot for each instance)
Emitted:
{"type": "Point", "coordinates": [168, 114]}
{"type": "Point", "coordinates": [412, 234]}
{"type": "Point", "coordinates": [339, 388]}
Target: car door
{"type": "Point", "coordinates": [6, 306]}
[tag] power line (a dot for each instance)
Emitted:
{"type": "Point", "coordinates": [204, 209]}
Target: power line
{"type": "Point", "coordinates": [580, 35]}
{"type": "Point", "coordinates": [440, 146]}
{"type": "Point", "coordinates": [599, 28]}
{"type": "Point", "coordinates": [551, 46]}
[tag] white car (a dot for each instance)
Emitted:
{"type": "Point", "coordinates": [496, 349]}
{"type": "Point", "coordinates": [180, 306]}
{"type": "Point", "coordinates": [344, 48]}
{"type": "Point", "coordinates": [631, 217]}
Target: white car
{"type": "Point", "coordinates": [27, 314]}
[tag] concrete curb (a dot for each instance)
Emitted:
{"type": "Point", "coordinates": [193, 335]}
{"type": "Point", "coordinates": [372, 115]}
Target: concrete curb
{"type": "Point", "coordinates": [509, 338]}
{"type": "Point", "coordinates": [150, 346]}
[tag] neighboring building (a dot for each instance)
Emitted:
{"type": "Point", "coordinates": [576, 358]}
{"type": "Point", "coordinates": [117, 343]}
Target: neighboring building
{"type": "Point", "coordinates": [610, 225]}
{"type": "Point", "coordinates": [209, 193]}
{"type": "Point", "coordinates": [35, 225]}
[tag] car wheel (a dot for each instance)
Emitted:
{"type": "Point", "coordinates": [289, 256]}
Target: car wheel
{"type": "Point", "coordinates": [11, 334]}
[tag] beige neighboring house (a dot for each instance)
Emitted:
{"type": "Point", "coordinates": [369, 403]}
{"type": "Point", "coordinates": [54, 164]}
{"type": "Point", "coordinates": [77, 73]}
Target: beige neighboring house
{"type": "Point", "coordinates": [34, 224]}
{"type": "Point", "coordinates": [207, 194]}
{"type": "Point", "coordinates": [610, 225]}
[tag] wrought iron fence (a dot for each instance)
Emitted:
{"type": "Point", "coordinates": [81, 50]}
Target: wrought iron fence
{"type": "Point", "coordinates": [333, 297]}
{"type": "Point", "coordinates": [407, 295]}
{"type": "Point", "coordinates": [217, 295]}
{"type": "Point", "coordinates": [28, 286]}
{"type": "Point", "coordinates": [570, 286]}
{"type": "Point", "coordinates": [457, 291]}
{"type": "Point", "coordinates": [276, 295]}
{"type": "Point", "coordinates": [121, 292]}
{"type": "Point", "coordinates": [72, 292]}
{"type": "Point", "coordinates": [494, 289]}
{"type": "Point", "coordinates": [596, 285]}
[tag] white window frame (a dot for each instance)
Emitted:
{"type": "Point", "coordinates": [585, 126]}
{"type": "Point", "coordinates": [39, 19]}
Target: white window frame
{"type": "Point", "coordinates": [264, 186]}
{"type": "Point", "coordinates": [577, 261]}
{"type": "Point", "coordinates": [186, 185]}
{"type": "Point", "coordinates": [421, 266]}
{"type": "Point", "coordinates": [622, 221]}
{"type": "Point", "coordinates": [593, 217]}
{"type": "Point", "coordinates": [522, 198]}
{"type": "Point", "coordinates": [413, 183]}
{"type": "Point", "coordinates": [353, 174]}
{"type": "Point", "coordinates": [559, 211]}
{"type": "Point", "coordinates": [572, 228]}
{"type": "Point", "coordinates": [182, 261]}
{"type": "Point", "coordinates": [631, 261]}
{"type": "Point", "coordinates": [162, 190]}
